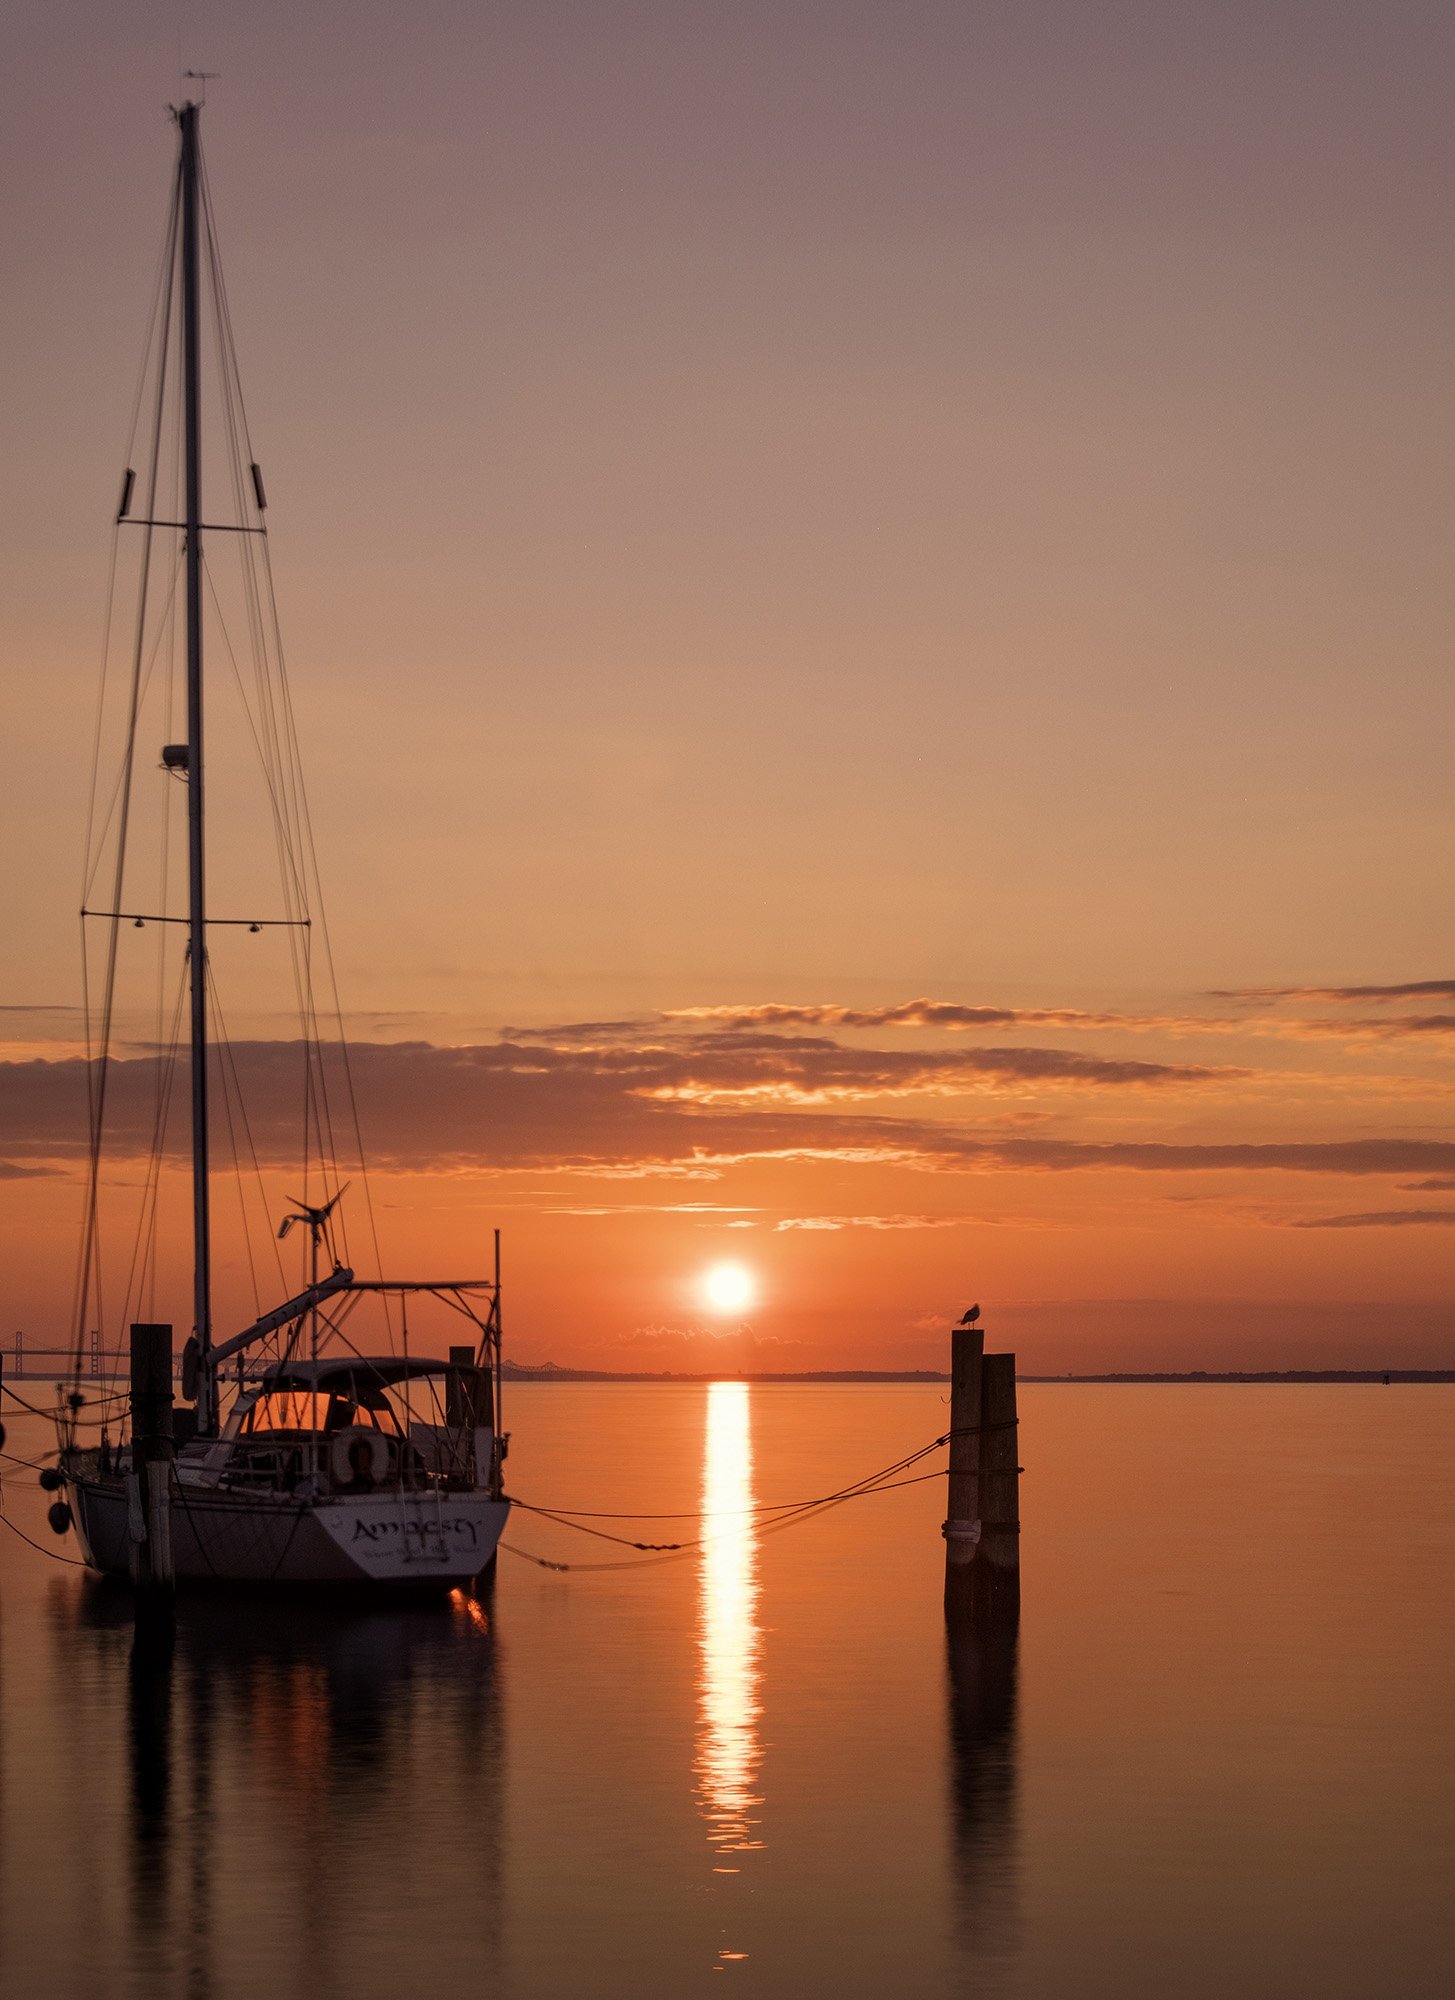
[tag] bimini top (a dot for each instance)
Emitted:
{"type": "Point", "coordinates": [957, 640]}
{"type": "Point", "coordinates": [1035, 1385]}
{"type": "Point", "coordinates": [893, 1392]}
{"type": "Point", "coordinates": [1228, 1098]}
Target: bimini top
{"type": "Point", "coordinates": [345, 1372]}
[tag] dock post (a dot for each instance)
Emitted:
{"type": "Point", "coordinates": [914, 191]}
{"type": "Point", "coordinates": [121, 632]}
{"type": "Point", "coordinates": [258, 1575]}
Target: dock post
{"type": "Point", "coordinates": [149, 1486]}
{"type": "Point", "coordinates": [961, 1529]}
{"type": "Point", "coordinates": [997, 1568]}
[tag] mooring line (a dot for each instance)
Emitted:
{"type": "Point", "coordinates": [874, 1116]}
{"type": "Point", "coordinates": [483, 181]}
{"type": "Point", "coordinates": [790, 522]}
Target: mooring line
{"type": "Point", "coordinates": [759, 1507]}
{"type": "Point", "coordinates": [788, 1514]}
{"type": "Point", "coordinates": [39, 1547]}
{"type": "Point", "coordinates": [573, 1516]}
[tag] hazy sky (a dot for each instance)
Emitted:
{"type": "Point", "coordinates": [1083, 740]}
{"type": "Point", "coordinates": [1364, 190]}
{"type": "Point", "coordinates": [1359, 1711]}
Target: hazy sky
{"type": "Point", "coordinates": [827, 505]}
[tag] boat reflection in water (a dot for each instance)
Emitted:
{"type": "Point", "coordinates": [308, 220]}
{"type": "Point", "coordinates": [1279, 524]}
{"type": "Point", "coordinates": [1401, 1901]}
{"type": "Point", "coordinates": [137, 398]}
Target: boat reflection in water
{"type": "Point", "coordinates": [305, 1788]}
{"type": "Point", "coordinates": [729, 1640]}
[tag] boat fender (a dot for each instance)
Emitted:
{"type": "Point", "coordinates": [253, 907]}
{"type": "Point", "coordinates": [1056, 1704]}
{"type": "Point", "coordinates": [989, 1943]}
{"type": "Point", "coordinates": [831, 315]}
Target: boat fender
{"type": "Point", "coordinates": [359, 1454]}
{"type": "Point", "coordinates": [51, 1480]}
{"type": "Point", "coordinates": [59, 1517]}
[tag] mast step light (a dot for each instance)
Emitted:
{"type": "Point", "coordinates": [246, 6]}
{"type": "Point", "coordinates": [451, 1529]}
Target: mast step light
{"type": "Point", "coordinates": [175, 757]}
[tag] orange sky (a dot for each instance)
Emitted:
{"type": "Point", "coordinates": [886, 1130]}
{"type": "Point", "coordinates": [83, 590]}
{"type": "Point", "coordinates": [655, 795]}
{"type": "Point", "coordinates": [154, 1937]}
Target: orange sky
{"type": "Point", "coordinates": [783, 514]}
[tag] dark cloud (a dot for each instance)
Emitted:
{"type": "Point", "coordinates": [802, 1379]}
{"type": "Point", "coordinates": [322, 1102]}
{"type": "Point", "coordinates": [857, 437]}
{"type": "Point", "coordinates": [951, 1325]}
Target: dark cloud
{"type": "Point", "coordinates": [520, 1104]}
{"type": "Point", "coordinates": [1381, 1218]}
{"type": "Point", "coordinates": [1416, 989]}
{"type": "Point", "coordinates": [873, 1222]}
{"type": "Point", "coordinates": [949, 1015]}
{"type": "Point", "coordinates": [907, 1014]}
{"type": "Point", "coordinates": [11, 1171]}
{"type": "Point", "coordinates": [594, 1034]}
{"type": "Point", "coordinates": [1354, 1029]}
{"type": "Point", "coordinates": [1329, 1156]}
{"type": "Point", "coordinates": [1360, 1028]}
{"type": "Point", "coordinates": [599, 1210]}
{"type": "Point", "coordinates": [736, 1025]}
{"type": "Point", "coordinates": [617, 1112]}
{"type": "Point", "coordinates": [1397, 1025]}
{"type": "Point", "coordinates": [813, 1068]}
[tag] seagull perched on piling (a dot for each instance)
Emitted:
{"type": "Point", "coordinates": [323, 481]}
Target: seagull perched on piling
{"type": "Point", "coordinates": [970, 1316]}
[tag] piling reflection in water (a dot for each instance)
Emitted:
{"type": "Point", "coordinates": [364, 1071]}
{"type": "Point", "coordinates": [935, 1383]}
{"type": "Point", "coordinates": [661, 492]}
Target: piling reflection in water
{"type": "Point", "coordinates": [981, 1688]}
{"type": "Point", "coordinates": [149, 1742]}
{"type": "Point", "coordinates": [728, 1636]}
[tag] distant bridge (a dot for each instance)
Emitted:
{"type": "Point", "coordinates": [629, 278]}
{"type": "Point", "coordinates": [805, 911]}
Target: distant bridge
{"type": "Point", "coordinates": [27, 1360]}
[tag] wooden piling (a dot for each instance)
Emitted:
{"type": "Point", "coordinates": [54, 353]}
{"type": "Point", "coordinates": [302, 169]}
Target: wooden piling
{"type": "Point", "coordinates": [149, 1485]}
{"type": "Point", "coordinates": [961, 1529]}
{"type": "Point", "coordinates": [996, 1573]}
{"type": "Point", "coordinates": [982, 1531]}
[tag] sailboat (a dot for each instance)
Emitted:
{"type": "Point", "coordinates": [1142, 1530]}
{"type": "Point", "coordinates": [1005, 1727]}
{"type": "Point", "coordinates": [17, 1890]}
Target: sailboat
{"type": "Point", "coordinates": [296, 1455]}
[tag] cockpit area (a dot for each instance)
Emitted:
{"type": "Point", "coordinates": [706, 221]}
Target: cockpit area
{"type": "Point", "coordinates": [358, 1425]}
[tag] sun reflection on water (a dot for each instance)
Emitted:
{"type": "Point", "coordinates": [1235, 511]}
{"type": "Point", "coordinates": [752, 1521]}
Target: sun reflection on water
{"type": "Point", "coordinates": [728, 1637]}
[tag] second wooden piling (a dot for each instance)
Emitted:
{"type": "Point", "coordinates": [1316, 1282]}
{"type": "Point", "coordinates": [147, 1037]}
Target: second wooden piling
{"type": "Point", "coordinates": [996, 1574]}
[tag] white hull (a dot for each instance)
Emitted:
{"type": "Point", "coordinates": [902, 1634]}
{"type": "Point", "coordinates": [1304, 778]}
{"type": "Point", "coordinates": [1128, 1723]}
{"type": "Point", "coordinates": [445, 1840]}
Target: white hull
{"type": "Point", "coordinates": [397, 1540]}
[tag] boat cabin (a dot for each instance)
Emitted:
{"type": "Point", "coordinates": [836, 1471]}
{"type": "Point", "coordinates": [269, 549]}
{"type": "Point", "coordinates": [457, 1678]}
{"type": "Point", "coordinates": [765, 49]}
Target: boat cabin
{"type": "Point", "coordinates": [357, 1423]}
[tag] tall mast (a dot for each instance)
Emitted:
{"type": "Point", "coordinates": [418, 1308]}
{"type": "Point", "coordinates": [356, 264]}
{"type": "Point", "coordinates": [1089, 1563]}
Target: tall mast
{"type": "Point", "coordinates": [196, 881]}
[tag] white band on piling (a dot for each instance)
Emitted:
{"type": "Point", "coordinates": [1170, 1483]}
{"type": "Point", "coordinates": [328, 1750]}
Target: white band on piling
{"type": "Point", "coordinates": [961, 1531]}
{"type": "Point", "coordinates": [136, 1520]}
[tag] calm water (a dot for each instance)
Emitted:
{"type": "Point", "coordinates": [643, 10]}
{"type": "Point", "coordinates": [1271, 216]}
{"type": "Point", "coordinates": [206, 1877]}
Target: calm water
{"type": "Point", "coordinates": [1219, 1760]}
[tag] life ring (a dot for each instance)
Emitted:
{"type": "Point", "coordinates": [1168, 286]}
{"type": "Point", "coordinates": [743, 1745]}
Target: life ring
{"type": "Point", "coordinates": [359, 1456]}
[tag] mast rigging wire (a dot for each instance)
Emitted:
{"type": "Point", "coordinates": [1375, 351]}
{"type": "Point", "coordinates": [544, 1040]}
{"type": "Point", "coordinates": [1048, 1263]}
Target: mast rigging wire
{"type": "Point", "coordinates": [143, 1262]}
{"type": "Point", "coordinates": [98, 1062]}
{"type": "Point", "coordinates": [270, 723]}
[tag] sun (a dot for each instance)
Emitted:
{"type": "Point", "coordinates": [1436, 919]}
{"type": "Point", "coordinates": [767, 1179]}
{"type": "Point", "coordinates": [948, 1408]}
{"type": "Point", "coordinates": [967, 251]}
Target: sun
{"type": "Point", "coordinates": [729, 1287]}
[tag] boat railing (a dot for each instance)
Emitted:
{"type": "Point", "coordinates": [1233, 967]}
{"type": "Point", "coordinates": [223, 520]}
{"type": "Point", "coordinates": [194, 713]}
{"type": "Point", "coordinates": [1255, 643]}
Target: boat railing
{"type": "Point", "coordinates": [430, 1458]}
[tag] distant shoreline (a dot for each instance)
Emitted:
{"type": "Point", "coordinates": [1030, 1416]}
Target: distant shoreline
{"type": "Point", "coordinates": [1401, 1376]}
{"type": "Point", "coordinates": [548, 1371]}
